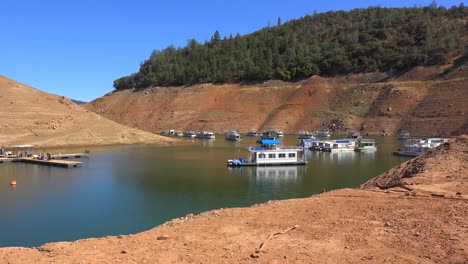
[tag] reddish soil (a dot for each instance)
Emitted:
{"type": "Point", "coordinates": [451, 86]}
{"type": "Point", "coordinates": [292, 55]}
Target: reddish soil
{"type": "Point", "coordinates": [424, 222]}
{"type": "Point", "coordinates": [30, 116]}
{"type": "Point", "coordinates": [425, 101]}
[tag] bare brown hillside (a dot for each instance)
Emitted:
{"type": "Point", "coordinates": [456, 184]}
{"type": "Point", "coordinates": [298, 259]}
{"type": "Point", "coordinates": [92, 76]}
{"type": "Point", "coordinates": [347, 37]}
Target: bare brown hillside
{"type": "Point", "coordinates": [30, 116]}
{"type": "Point", "coordinates": [427, 224]}
{"type": "Point", "coordinates": [425, 101]}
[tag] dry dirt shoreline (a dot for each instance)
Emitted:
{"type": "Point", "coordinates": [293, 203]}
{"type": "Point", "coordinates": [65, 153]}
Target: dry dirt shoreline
{"type": "Point", "coordinates": [426, 221]}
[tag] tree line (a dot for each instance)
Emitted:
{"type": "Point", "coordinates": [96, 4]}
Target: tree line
{"type": "Point", "coordinates": [331, 43]}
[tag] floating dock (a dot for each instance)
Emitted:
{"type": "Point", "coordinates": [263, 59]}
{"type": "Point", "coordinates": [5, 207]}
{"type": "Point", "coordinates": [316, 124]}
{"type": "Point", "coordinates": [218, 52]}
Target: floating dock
{"type": "Point", "coordinates": [57, 163]}
{"type": "Point", "coordinates": [6, 160]}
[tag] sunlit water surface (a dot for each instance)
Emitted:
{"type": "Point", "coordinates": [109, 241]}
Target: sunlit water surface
{"type": "Point", "coordinates": [128, 189]}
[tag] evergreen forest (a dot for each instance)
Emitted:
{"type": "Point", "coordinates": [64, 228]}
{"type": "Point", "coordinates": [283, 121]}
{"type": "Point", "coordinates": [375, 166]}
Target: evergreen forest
{"type": "Point", "coordinates": [327, 44]}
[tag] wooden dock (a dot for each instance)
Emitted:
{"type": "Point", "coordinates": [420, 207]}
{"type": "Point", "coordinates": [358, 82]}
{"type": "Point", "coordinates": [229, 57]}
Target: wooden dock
{"type": "Point", "coordinates": [7, 160]}
{"type": "Point", "coordinates": [57, 163]}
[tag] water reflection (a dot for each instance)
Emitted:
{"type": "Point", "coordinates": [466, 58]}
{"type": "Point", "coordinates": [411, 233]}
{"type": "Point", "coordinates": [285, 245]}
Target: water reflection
{"type": "Point", "coordinates": [275, 175]}
{"type": "Point", "coordinates": [128, 189]}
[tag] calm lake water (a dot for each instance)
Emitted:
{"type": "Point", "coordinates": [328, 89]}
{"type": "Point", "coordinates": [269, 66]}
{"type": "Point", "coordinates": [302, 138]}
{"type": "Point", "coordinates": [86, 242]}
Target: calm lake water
{"type": "Point", "coordinates": [129, 189]}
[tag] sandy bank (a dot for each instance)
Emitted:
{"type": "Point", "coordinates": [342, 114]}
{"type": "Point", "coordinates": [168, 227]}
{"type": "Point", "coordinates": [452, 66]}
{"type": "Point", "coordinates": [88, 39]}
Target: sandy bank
{"type": "Point", "coordinates": [30, 116]}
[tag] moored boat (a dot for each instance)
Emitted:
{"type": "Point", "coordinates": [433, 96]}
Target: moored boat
{"type": "Point", "coordinates": [252, 133]}
{"type": "Point", "coordinates": [190, 134]}
{"type": "Point", "coordinates": [270, 153]}
{"type": "Point", "coordinates": [233, 136]}
{"type": "Point", "coordinates": [205, 135]}
{"type": "Point", "coordinates": [416, 147]}
{"type": "Point", "coordinates": [280, 133]}
{"type": "Point", "coordinates": [403, 135]}
{"type": "Point", "coordinates": [366, 145]}
{"type": "Point", "coordinates": [271, 134]}
{"type": "Point", "coordinates": [342, 145]}
{"type": "Point", "coordinates": [308, 143]}
{"type": "Point", "coordinates": [354, 134]}
{"type": "Point", "coordinates": [322, 133]}
{"type": "Point", "coordinates": [305, 135]}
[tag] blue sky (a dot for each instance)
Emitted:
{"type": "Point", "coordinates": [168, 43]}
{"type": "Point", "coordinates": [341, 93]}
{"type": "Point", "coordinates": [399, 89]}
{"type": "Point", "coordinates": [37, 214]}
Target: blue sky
{"type": "Point", "coordinates": [78, 48]}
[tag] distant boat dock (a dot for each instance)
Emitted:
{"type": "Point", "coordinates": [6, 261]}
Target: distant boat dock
{"type": "Point", "coordinates": [43, 159]}
{"type": "Point", "coordinates": [56, 162]}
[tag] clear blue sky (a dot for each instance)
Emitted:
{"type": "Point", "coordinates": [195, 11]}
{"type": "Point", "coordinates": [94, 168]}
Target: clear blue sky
{"type": "Point", "coordinates": [77, 48]}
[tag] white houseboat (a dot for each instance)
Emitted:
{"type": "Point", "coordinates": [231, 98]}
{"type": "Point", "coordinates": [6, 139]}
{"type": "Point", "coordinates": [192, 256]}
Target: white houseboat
{"type": "Point", "coordinates": [205, 135]}
{"type": "Point", "coordinates": [322, 133]}
{"type": "Point", "coordinates": [270, 153]}
{"type": "Point", "coordinates": [403, 135]}
{"type": "Point", "coordinates": [342, 145]}
{"type": "Point", "coordinates": [354, 134]}
{"type": "Point", "coordinates": [190, 134]}
{"type": "Point", "coordinates": [308, 143]}
{"type": "Point", "coordinates": [252, 133]}
{"type": "Point", "coordinates": [366, 145]}
{"type": "Point", "coordinates": [233, 136]}
{"type": "Point", "coordinates": [305, 135]}
{"type": "Point", "coordinates": [416, 147]}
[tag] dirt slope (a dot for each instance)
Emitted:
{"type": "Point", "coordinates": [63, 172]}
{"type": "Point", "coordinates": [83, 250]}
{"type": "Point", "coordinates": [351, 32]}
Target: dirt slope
{"type": "Point", "coordinates": [426, 225]}
{"type": "Point", "coordinates": [30, 116]}
{"type": "Point", "coordinates": [425, 101]}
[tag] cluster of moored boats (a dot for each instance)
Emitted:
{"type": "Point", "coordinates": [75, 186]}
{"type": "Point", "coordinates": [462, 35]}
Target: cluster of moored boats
{"type": "Point", "coordinates": [353, 142]}
{"type": "Point", "coordinates": [232, 135]}
{"type": "Point", "coordinates": [270, 152]}
{"type": "Point", "coordinates": [189, 134]}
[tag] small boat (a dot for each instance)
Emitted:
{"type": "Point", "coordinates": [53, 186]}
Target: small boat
{"type": "Point", "coordinates": [403, 135]}
{"type": "Point", "coordinates": [280, 134]}
{"type": "Point", "coordinates": [322, 133]}
{"type": "Point", "coordinates": [305, 135]}
{"type": "Point", "coordinates": [308, 143]}
{"type": "Point", "coordinates": [190, 134]}
{"type": "Point", "coordinates": [270, 153]}
{"type": "Point", "coordinates": [251, 133]}
{"type": "Point", "coordinates": [366, 145]}
{"type": "Point", "coordinates": [205, 135]}
{"type": "Point", "coordinates": [317, 145]}
{"type": "Point", "coordinates": [354, 134]}
{"type": "Point", "coordinates": [170, 132]}
{"type": "Point", "coordinates": [410, 151]}
{"type": "Point", "coordinates": [233, 136]}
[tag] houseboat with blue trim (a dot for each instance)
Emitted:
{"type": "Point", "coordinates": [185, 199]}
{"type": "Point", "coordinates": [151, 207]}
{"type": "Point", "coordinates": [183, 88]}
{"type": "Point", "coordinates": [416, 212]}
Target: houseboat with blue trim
{"type": "Point", "coordinates": [270, 153]}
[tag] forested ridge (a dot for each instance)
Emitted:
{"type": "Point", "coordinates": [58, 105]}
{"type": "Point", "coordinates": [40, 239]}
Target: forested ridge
{"type": "Point", "coordinates": [339, 42]}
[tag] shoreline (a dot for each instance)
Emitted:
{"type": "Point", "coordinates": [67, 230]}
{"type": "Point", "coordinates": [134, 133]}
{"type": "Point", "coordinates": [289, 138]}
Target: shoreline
{"type": "Point", "coordinates": [423, 218]}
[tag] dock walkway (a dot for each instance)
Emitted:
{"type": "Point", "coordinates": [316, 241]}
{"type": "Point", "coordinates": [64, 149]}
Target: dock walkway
{"type": "Point", "coordinates": [58, 163]}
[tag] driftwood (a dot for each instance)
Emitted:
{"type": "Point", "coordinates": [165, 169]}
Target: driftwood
{"type": "Point", "coordinates": [392, 185]}
{"type": "Point", "coordinates": [34, 132]}
{"type": "Point", "coordinates": [263, 244]}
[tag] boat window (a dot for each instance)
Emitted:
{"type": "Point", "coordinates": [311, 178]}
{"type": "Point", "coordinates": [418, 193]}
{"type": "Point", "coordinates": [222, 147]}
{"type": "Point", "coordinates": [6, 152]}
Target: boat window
{"type": "Point", "coordinates": [261, 156]}
{"type": "Point", "coordinates": [292, 155]}
{"type": "Point", "coordinates": [282, 155]}
{"type": "Point", "coordinates": [271, 156]}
